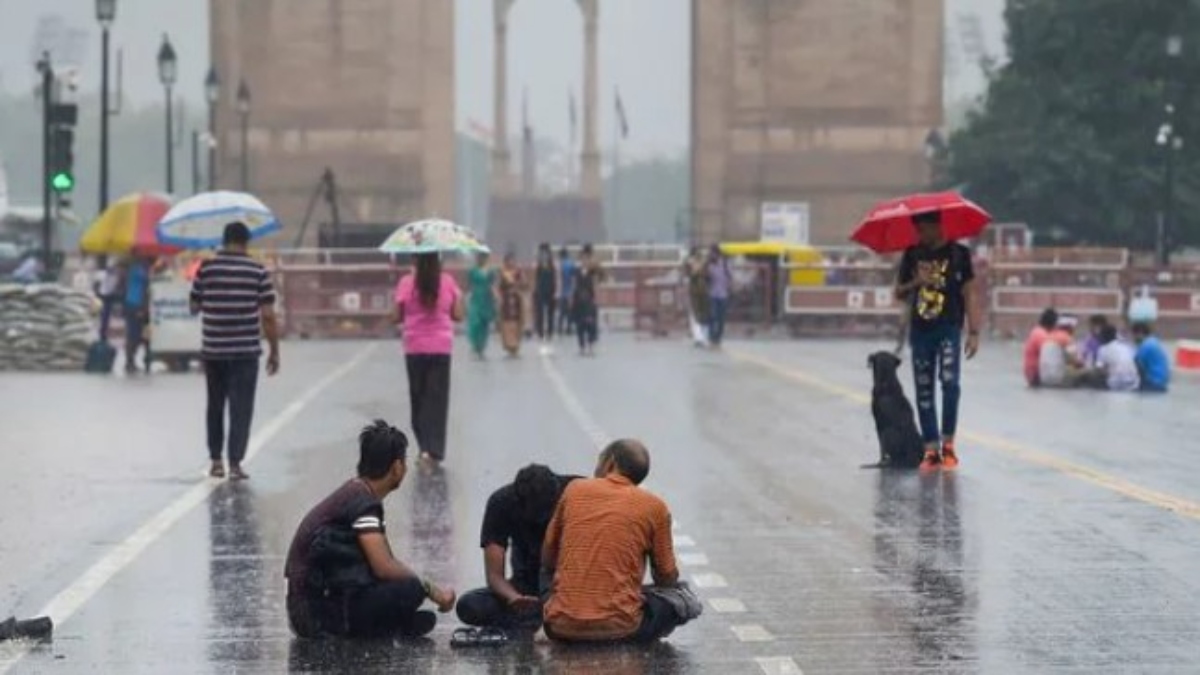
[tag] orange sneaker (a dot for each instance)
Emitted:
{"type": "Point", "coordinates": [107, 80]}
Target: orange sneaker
{"type": "Point", "coordinates": [931, 461]}
{"type": "Point", "coordinates": [949, 457]}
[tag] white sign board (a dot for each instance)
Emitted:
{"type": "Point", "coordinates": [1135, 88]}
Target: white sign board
{"type": "Point", "coordinates": [173, 329]}
{"type": "Point", "coordinates": [785, 222]}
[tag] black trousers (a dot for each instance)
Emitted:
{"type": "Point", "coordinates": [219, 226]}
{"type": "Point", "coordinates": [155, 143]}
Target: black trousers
{"type": "Point", "coordinates": [566, 322]}
{"type": "Point", "coordinates": [384, 609]}
{"type": "Point", "coordinates": [587, 319]}
{"type": "Point", "coordinates": [481, 607]}
{"type": "Point", "coordinates": [231, 382]}
{"type": "Point", "coordinates": [429, 399]}
{"type": "Point", "coordinates": [543, 311]}
{"type": "Point", "coordinates": [658, 621]}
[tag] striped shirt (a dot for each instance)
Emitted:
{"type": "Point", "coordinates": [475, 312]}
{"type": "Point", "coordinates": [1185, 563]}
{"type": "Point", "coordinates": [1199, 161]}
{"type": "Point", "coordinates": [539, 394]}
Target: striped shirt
{"type": "Point", "coordinates": [231, 290]}
{"type": "Point", "coordinates": [598, 541]}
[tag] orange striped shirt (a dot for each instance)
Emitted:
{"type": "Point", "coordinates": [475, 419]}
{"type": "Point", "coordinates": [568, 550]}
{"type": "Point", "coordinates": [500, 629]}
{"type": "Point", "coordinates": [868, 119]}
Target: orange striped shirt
{"type": "Point", "coordinates": [598, 541]}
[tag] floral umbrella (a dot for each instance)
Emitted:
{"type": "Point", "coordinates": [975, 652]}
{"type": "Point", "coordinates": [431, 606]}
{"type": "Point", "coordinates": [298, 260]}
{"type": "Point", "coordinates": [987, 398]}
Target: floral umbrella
{"type": "Point", "coordinates": [433, 235]}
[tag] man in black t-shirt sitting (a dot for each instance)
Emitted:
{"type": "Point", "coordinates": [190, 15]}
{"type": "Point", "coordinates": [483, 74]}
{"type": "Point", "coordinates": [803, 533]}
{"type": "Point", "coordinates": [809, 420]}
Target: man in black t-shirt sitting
{"type": "Point", "coordinates": [937, 280]}
{"type": "Point", "coordinates": [514, 523]}
{"type": "Point", "coordinates": [342, 577]}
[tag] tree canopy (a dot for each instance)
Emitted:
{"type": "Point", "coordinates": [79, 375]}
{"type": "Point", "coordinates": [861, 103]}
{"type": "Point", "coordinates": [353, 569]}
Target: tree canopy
{"type": "Point", "coordinates": [1065, 137]}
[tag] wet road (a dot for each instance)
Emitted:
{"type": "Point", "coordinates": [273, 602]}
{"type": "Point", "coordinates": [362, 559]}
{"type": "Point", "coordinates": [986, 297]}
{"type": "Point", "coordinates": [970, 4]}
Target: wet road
{"type": "Point", "coordinates": [1066, 543]}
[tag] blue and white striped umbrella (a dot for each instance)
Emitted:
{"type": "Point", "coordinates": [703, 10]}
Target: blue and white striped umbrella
{"type": "Point", "coordinates": [199, 222]}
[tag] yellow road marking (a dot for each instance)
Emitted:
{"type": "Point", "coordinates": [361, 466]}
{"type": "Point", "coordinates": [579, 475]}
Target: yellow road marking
{"type": "Point", "coordinates": [1179, 505]}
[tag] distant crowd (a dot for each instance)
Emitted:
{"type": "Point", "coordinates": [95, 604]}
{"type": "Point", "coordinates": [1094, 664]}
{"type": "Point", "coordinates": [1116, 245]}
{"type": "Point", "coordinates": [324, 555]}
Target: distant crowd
{"type": "Point", "coordinates": [1104, 360]}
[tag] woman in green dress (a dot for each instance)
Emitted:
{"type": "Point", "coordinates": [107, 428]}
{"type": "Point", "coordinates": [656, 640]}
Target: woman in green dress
{"type": "Point", "coordinates": [481, 308]}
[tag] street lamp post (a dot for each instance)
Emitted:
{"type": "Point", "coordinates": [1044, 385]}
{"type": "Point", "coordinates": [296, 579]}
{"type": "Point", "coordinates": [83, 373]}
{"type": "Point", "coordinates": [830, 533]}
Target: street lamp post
{"type": "Point", "coordinates": [212, 94]}
{"type": "Point", "coordinates": [243, 109]}
{"type": "Point", "coordinates": [106, 12]}
{"type": "Point", "coordinates": [1170, 141]}
{"type": "Point", "coordinates": [167, 74]}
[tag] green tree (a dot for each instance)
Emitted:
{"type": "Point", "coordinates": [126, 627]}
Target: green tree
{"type": "Point", "coordinates": [1065, 137]}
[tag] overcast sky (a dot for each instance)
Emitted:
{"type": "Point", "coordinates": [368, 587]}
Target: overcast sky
{"type": "Point", "coordinates": [643, 51]}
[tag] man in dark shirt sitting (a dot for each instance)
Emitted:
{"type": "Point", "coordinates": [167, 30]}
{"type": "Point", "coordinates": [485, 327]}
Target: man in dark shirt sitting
{"type": "Point", "coordinates": [342, 577]}
{"type": "Point", "coordinates": [514, 523]}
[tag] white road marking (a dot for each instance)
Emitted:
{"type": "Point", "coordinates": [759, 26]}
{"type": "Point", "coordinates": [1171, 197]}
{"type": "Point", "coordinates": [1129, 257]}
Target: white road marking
{"type": "Point", "coordinates": [778, 665]}
{"type": "Point", "coordinates": [71, 599]}
{"type": "Point", "coordinates": [709, 580]}
{"type": "Point", "coordinates": [684, 541]}
{"type": "Point", "coordinates": [582, 417]}
{"type": "Point", "coordinates": [727, 605]}
{"type": "Point", "coordinates": [752, 633]}
{"type": "Point", "coordinates": [693, 559]}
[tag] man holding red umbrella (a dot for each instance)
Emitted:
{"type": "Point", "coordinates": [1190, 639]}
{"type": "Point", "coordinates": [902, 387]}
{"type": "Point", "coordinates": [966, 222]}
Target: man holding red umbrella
{"type": "Point", "coordinates": [937, 279]}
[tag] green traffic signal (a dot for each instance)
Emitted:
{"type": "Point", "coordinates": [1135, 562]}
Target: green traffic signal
{"type": "Point", "coordinates": [62, 181]}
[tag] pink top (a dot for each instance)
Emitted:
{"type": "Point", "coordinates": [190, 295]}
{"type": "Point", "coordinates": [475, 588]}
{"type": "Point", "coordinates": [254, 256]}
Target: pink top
{"type": "Point", "coordinates": [427, 330]}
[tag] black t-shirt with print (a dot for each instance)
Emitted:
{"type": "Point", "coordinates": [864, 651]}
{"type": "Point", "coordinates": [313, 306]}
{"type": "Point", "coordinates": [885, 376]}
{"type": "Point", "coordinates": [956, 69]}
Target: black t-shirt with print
{"type": "Point", "coordinates": [941, 303]}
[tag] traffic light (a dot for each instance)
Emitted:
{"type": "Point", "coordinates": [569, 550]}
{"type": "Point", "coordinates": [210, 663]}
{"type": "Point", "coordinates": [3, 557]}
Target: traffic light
{"type": "Point", "coordinates": [62, 161]}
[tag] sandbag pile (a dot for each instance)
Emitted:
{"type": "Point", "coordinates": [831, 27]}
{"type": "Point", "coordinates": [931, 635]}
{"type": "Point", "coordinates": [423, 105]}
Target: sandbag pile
{"type": "Point", "coordinates": [44, 327]}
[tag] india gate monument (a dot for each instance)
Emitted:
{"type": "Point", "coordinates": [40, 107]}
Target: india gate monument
{"type": "Point", "coordinates": [821, 102]}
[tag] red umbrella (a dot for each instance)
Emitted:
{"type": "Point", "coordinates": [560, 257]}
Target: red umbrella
{"type": "Point", "coordinates": [889, 226]}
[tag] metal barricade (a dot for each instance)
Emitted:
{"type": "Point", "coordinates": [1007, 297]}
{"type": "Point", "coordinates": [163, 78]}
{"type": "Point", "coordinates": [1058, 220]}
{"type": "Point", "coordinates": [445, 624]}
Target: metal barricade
{"type": "Point", "coordinates": [1076, 281]}
{"type": "Point", "coordinates": [852, 296]}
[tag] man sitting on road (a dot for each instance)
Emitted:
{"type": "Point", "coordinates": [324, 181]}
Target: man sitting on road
{"type": "Point", "coordinates": [1059, 364]}
{"type": "Point", "coordinates": [1033, 345]}
{"type": "Point", "coordinates": [343, 579]}
{"type": "Point", "coordinates": [1115, 363]}
{"type": "Point", "coordinates": [1153, 364]}
{"type": "Point", "coordinates": [516, 516]}
{"type": "Point", "coordinates": [595, 551]}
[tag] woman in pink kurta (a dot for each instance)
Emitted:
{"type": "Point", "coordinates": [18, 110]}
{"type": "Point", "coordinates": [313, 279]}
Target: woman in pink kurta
{"type": "Point", "coordinates": [429, 303]}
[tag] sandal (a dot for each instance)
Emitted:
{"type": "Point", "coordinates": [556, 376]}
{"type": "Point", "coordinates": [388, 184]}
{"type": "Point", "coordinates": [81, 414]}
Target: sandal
{"type": "Point", "coordinates": [217, 470]}
{"type": "Point", "coordinates": [478, 637]}
{"type": "Point", "coordinates": [236, 473]}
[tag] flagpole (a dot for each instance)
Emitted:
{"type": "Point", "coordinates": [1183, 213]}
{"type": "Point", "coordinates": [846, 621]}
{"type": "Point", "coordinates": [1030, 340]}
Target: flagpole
{"type": "Point", "coordinates": [616, 153]}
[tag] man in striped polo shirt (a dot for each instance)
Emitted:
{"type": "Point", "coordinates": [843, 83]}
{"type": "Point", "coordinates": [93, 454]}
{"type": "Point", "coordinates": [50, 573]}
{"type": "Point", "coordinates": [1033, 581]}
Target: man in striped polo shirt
{"type": "Point", "coordinates": [595, 553]}
{"type": "Point", "coordinates": [234, 294]}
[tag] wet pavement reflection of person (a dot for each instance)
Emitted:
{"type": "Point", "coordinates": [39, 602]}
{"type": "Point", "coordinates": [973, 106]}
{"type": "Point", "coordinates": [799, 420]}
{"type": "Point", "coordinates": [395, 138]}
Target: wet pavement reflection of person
{"type": "Point", "coordinates": [656, 658]}
{"type": "Point", "coordinates": [409, 656]}
{"type": "Point", "coordinates": [237, 595]}
{"type": "Point", "coordinates": [919, 542]}
{"type": "Point", "coordinates": [433, 524]}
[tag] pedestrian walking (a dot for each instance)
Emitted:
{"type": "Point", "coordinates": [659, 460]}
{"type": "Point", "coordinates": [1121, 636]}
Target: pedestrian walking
{"type": "Point", "coordinates": [512, 305]}
{"type": "Point", "coordinates": [720, 281]}
{"type": "Point", "coordinates": [234, 294]}
{"type": "Point", "coordinates": [137, 312]}
{"type": "Point", "coordinates": [106, 287]}
{"type": "Point", "coordinates": [567, 270]}
{"type": "Point", "coordinates": [937, 279]}
{"type": "Point", "coordinates": [545, 284]}
{"type": "Point", "coordinates": [481, 305]}
{"type": "Point", "coordinates": [429, 303]}
{"type": "Point", "coordinates": [696, 272]}
{"type": "Point", "coordinates": [587, 312]}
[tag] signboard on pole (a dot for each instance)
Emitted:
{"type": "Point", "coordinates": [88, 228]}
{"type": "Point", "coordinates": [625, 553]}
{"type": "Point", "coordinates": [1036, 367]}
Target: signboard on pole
{"type": "Point", "coordinates": [785, 222]}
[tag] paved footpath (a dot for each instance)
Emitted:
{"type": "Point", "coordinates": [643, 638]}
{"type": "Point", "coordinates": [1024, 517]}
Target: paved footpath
{"type": "Point", "coordinates": [1066, 542]}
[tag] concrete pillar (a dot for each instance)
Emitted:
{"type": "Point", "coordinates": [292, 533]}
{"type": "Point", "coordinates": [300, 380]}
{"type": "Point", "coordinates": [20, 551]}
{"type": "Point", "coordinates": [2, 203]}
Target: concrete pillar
{"type": "Point", "coordinates": [502, 176]}
{"type": "Point", "coordinates": [590, 183]}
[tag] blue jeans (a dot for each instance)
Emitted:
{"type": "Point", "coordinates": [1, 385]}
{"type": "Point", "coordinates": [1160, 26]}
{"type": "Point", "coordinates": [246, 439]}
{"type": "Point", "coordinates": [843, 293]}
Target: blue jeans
{"type": "Point", "coordinates": [716, 319]}
{"type": "Point", "coordinates": [937, 357]}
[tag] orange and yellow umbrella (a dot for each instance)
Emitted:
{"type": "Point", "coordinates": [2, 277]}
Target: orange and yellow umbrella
{"type": "Point", "coordinates": [128, 227]}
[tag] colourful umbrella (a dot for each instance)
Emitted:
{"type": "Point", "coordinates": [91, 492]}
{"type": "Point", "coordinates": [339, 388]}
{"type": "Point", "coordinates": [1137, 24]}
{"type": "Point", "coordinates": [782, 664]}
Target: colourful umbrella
{"type": "Point", "coordinates": [198, 222]}
{"type": "Point", "coordinates": [433, 235]}
{"type": "Point", "coordinates": [128, 227]}
{"type": "Point", "coordinates": [889, 226]}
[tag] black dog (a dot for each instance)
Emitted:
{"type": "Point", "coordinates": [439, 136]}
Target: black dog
{"type": "Point", "coordinates": [900, 444]}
